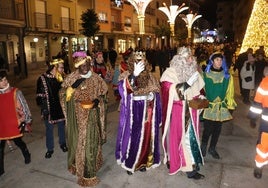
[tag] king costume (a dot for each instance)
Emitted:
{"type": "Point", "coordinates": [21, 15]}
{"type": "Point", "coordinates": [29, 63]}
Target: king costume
{"type": "Point", "coordinates": [181, 125]}
{"type": "Point", "coordinates": [83, 101]}
{"type": "Point", "coordinates": [137, 144]}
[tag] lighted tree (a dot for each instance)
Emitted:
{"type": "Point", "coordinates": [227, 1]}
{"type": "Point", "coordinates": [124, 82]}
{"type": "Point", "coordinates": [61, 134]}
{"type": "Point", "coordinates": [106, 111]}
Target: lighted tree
{"type": "Point", "coordinates": [257, 29]}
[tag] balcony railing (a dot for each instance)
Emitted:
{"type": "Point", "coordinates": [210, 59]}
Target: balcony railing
{"type": "Point", "coordinates": [116, 26]}
{"type": "Point", "coordinates": [10, 9]}
{"type": "Point", "coordinates": [43, 20]}
{"type": "Point", "coordinates": [67, 24]}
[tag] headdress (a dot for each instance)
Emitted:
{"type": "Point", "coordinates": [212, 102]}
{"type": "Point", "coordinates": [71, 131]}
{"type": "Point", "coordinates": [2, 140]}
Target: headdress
{"type": "Point", "coordinates": [138, 55]}
{"type": "Point", "coordinates": [80, 58]}
{"type": "Point", "coordinates": [224, 65]}
{"type": "Point", "coordinates": [56, 61]}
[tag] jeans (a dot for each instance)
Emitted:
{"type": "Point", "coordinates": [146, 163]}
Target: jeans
{"type": "Point", "coordinates": [50, 134]}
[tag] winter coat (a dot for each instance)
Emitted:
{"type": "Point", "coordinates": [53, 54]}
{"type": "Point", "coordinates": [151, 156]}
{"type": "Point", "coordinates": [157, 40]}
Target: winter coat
{"type": "Point", "coordinates": [248, 76]}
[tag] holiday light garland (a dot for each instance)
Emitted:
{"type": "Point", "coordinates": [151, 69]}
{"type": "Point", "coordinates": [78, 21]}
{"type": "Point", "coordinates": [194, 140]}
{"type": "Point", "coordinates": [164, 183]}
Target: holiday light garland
{"type": "Point", "coordinates": [257, 29]}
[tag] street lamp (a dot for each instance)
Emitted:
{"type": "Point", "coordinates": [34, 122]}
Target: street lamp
{"type": "Point", "coordinates": [140, 6]}
{"type": "Point", "coordinates": [172, 12]}
{"type": "Point", "coordinates": [189, 20]}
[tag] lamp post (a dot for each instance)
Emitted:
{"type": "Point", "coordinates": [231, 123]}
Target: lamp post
{"type": "Point", "coordinates": [189, 20]}
{"type": "Point", "coordinates": [140, 6]}
{"type": "Point", "coordinates": [172, 12]}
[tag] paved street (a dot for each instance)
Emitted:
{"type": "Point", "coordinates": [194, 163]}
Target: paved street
{"type": "Point", "coordinates": [234, 170]}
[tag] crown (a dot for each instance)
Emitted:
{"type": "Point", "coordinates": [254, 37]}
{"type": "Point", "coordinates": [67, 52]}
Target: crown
{"type": "Point", "coordinates": [56, 61]}
{"type": "Point", "coordinates": [138, 55]}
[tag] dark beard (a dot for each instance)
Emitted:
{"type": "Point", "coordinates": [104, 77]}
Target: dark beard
{"type": "Point", "coordinates": [143, 79]}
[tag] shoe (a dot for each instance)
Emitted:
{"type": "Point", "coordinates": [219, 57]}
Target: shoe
{"type": "Point", "coordinates": [197, 176]}
{"type": "Point", "coordinates": [27, 156]}
{"type": "Point", "coordinates": [27, 159]}
{"type": "Point", "coordinates": [64, 147]}
{"type": "Point", "coordinates": [168, 165]}
{"type": "Point", "coordinates": [49, 154]}
{"type": "Point", "coordinates": [143, 169]}
{"type": "Point", "coordinates": [203, 149]}
{"type": "Point", "coordinates": [129, 173]}
{"type": "Point", "coordinates": [257, 173]}
{"type": "Point", "coordinates": [214, 153]}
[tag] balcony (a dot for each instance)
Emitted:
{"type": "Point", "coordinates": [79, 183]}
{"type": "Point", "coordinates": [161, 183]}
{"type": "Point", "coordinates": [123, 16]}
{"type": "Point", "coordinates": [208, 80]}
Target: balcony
{"type": "Point", "coordinates": [67, 24]}
{"type": "Point", "coordinates": [43, 21]}
{"type": "Point", "coordinates": [12, 10]}
{"type": "Point", "coordinates": [117, 5]}
{"type": "Point", "coordinates": [116, 26]}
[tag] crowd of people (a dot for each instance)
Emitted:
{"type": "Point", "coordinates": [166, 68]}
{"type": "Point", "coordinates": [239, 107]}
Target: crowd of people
{"type": "Point", "coordinates": [196, 83]}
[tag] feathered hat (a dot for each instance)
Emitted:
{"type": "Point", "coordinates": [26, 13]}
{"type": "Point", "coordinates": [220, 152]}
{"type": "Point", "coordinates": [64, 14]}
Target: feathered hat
{"type": "Point", "coordinates": [80, 58]}
{"type": "Point", "coordinates": [224, 65]}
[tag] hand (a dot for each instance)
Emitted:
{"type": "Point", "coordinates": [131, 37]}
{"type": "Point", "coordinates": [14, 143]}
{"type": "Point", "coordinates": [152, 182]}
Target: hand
{"type": "Point", "coordinates": [252, 123]}
{"type": "Point", "coordinates": [96, 103]}
{"type": "Point", "coordinates": [193, 79]}
{"type": "Point", "coordinates": [44, 114]}
{"type": "Point", "coordinates": [138, 68]}
{"type": "Point", "coordinates": [69, 93]}
{"type": "Point", "coordinates": [25, 127]}
{"type": "Point", "coordinates": [77, 82]}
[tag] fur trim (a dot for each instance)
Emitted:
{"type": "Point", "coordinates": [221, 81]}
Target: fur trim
{"type": "Point", "coordinates": [72, 169]}
{"type": "Point", "coordinates": [88, 182]}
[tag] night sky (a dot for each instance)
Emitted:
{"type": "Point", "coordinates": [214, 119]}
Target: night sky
{"type": "Point", "coordinates": [208, 9]}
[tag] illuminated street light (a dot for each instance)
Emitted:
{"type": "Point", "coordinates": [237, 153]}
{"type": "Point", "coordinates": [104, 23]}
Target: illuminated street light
{"type": "Point", "coordinates": [172, 12]}
{"type": "Point", "coordinates": [140, 6]}
{"type": "Point", "coordinates": [189, 20]}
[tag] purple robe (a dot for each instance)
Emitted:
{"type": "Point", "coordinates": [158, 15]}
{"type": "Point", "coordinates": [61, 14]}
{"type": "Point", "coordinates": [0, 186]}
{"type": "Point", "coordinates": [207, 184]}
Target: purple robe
{"type": "Point", "coordinates": [137, 143]}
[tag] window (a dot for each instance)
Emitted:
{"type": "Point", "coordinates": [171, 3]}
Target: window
{"type": "Point", "coordinates": [127, 22]}
{"type": "Point", "coordinates": [103, 17]}
{"type": "Point", "coordinates": [65, 18]}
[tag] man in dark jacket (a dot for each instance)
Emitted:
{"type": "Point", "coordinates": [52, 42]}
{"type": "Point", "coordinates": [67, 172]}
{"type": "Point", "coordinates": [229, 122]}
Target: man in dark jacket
{"type": "Point", "coordinates": [47, 98]}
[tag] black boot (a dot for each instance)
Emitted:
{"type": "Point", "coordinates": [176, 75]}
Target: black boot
{"type": "Point", "coordinates": [64, 148]}
{"type": "Point", "coordinates": [214, 153]}
{"type": "Point", "coordinates": [2, 149]}
{"type": "Point", "coordinates": [27, 156]}
{"type": "Point", "coordinates": [257, 172]}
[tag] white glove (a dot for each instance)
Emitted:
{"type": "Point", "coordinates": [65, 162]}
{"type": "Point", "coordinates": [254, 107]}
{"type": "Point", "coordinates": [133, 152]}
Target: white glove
{"type": "Point", "coordinates": [193, 78]}
{"type": "Point", "coordinates": [202, 97]}
{"type": "Point", "coordinates": [138, 68]}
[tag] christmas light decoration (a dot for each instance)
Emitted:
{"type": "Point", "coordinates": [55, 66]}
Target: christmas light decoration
{"type": "Point", "coordinates": [140, 6]}
{"type": "Point", "coordinates": [172, 12]}
{"type": "Point", "coordinates": [189, 20]}
{"type": "Point", "coordinates": [257, 29]}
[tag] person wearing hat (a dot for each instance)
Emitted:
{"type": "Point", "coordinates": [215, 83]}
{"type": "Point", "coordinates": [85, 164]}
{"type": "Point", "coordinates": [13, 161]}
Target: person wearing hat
{"type": "Point", "coordinates": [47, 98]}
{"type": "Point", "coordinates": [258, 109]}
{"type": "Point", "coordinates": [180, 84]}
{"type": "Point", "coordinates": [219, 89]}
{"type": "Point", "coordinates": [137, 144]}
{"type": "Point", "coordinates": [247, 75]}
{"type": "Point", "coordinates": [15, 118]}
{"type": "Point", "coordinates": [83, 101]}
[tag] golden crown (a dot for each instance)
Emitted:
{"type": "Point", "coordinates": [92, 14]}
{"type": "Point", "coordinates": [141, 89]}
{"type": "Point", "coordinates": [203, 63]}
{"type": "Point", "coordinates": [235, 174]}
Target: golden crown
{"type": "Point", "coordinates": [138, 55]}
